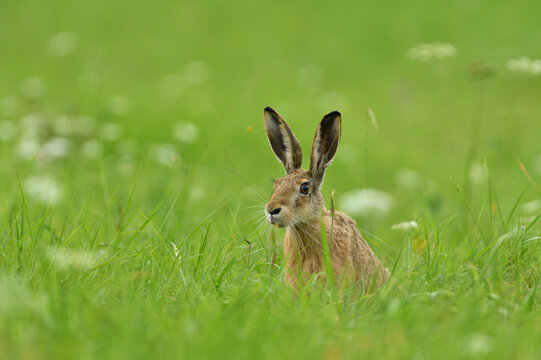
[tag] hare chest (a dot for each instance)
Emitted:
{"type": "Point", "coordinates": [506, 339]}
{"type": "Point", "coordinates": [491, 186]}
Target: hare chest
{"type": "Point", "coordinates": [352, 259]}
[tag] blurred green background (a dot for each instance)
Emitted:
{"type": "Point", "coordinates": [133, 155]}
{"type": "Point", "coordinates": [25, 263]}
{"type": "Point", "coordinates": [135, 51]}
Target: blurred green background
{"type": "Point", "coordinates": [126, 126]}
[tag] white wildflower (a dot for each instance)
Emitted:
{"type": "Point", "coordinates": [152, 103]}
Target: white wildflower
{"type": "Point", "coordinates": [431, 51]}
{"type": "Point", "coordinates": [84, 125]}
{"type": "Point", "coordinates": [525, 65]}
{"type": "Point", "coordinates": [11, 105]}
{"type": "Point", "coordinates": [21, 300]}
{"type": "Point", "coordinates": [119, 105]}
{"type": "Point", "coordinates": [480, 344]}
{"type": "Point", "coordinates": [7, 131]}
{"type": "Point", "coordinates": [44, 188]}
{"type": "Point", "coordinates": [196, 73]}
{"type": "Point", "coordinates": [111, 131]}
{"type": "Point", "coordinates": [165, 154]}
{"type": "Point", "coordinates": [92, 149]}
{"type": "Point", "coordinates": [186, 132]}
{"type": "Point", "coordinates": [57, 147]}
{"type": "Point", "coordinates": [67, 259]}
{"type": "Point", "coordinates": [535, 67]}
{"type": "Point", "coordinates": [28, 149]}
{"type": "Point", "coordinates": [532, 206]}
{"type": "Point", "coordinates": [62, 44]}
{"type": "Point", "coordinates": [406, 226]}
{"type": "Point", "coordinates": [197, 193]}
{"type": "Point", "coordinates": [310, 77]}
{"type": "Point", "coordinates": [33, 87]}
{"type": "Point", "coordinates": [478, 173]}
{"type": "Point", "coordinates": [366, 202]}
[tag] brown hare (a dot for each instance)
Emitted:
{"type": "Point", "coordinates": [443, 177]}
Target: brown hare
{"type": "Point", "coordinates": [297, 204]}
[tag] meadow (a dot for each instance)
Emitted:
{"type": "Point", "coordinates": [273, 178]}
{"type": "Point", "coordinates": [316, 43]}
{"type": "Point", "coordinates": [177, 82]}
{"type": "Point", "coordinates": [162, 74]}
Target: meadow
{"type": "Point", "coordinates": [134, 168]}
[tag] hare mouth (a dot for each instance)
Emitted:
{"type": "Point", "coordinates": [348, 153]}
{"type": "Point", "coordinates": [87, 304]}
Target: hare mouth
{"type": "Point", "coordinates": [276, 221]}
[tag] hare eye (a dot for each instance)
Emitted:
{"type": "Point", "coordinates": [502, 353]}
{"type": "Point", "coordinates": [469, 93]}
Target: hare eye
{"type": "Point", "coordinates": [305, 188]}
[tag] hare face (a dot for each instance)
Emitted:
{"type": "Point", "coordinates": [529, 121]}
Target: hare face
{"type": "Point", "coordinates": [294, 200]}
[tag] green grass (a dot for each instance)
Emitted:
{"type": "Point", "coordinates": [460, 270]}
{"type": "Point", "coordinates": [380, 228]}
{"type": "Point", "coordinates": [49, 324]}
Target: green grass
{"type": "Point", "coordinates": [95, 274]}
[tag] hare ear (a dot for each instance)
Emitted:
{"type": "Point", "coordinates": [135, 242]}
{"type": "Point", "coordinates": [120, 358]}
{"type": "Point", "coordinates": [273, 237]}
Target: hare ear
{"type": "Point", "coordinates": [325, 145]}
{"type": "Point", "coordinates": [283, 142]}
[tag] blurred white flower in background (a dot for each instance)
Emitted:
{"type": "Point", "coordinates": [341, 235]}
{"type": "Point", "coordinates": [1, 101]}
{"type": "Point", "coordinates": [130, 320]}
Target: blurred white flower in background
{"type": "Point", "coordinates": [164, 154]}
{"type": "Point", "coordinates": [7, 131]}
{"type": "Point", "coordinates": [92, 149]}
{"type": "Point", "coordinates": [119, 105]}
{"type": "Point", "coordinates": [83, 125]}
{"type": "Point", "coordinates": [197, 193]}
{"type": "Point", "coordinates": [406, 226]}
{"type": "Point", "coordinates": [480, 344]}
{"type": "Point", "coordinates": [21, 300]}
{"type": "Point", "coordinates": [531, 207]}
{"type": "Point", "coordinates": [62, 44]}
{"type": "Point", "coordinates": [44, 188]}
{"type": "Point", "coordinates": [110, 131]}
{"type": "Point", "coordinates": [310, 77]}
{"type": "Point", "coordinates": [196, 73]}
{"type": "Point", "coordinates": [66, 259]}
{"type": "Point", "coordinates": [478, 173]}
{"type": "Point", "coordinates": [56, 147]}
{"type": "Point", "coordinates": [33, 87]}
{"type": "Point", "coordinates": [408, 179]}
{"type": "Point", "coordinates": [366, 202]}
{"type": "Point", "coordinates": [525, 65]}
{"type": "Point", "coordinates": [27, 149]}
{"type": "Point", "coordinates": [11, 105]}
{"type": "Point", "coordinates": [431, 51]}
{"type": "Point", "coordinates": [186, 132]}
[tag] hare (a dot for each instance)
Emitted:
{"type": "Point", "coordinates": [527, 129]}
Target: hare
{"type": "Point", "coordinates": [297, 204]}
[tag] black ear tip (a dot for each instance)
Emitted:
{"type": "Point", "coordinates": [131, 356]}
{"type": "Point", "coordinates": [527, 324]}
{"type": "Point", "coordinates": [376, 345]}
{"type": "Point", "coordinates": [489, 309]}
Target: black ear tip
{"type": "Point", "coordinates": [334, 114]}
{"type": "Point", "coordinates": [270, 110]}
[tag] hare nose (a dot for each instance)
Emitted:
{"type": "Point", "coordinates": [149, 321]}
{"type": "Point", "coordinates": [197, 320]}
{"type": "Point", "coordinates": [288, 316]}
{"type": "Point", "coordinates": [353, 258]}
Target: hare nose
{"type": "Point", "coordinates": [275, 211]}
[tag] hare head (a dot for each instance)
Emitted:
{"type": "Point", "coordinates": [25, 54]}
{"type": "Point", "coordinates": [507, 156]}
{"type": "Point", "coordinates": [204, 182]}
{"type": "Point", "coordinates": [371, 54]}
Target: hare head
{"type": "Point", "coordinates": [296, 197]}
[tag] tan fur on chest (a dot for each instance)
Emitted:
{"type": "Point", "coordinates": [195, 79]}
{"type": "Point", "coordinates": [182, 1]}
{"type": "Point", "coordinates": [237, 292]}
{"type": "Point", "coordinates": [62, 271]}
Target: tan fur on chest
{"type": "Point", "coordinates": [352, 259]}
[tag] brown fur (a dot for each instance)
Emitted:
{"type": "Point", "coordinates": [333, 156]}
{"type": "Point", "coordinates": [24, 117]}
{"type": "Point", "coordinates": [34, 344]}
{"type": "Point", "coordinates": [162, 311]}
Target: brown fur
{"type": "Point", "coordinates": [352, 259]}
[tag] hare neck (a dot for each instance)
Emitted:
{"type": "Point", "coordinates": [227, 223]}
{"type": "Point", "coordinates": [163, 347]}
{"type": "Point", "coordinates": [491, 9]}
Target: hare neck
{"type": "Point", "coordinates": [306, 236]}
